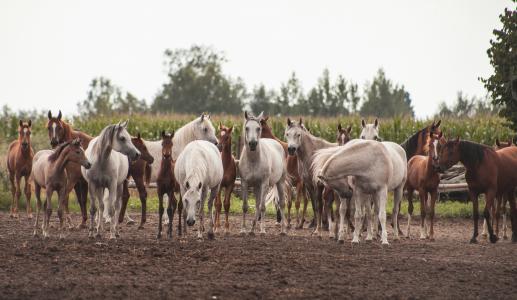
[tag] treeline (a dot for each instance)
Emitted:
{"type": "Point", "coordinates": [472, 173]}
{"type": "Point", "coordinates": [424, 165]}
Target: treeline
{"type": "Point", "coordinates": [196, 83]}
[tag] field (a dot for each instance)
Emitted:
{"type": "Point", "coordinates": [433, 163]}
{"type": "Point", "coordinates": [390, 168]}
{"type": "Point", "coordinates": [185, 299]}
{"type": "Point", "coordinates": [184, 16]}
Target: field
{"type": "Point", "coordinates": [235, 267]}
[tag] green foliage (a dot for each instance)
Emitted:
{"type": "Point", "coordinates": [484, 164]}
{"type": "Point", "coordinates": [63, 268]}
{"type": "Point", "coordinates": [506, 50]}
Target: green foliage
{"type": "Point", "coordinates": [466, 107]}
{"type": "Point", "coordinates": [503, 58]}
{"type": "Point", "coordinates": [197, 84]}
{"type": "Point", "coordinates": [104, 98]}
{"type": "Point", "coordinates": [383, 99]}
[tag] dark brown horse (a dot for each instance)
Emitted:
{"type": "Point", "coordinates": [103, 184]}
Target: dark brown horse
{"type": "Point", "coordinates": [137, 171]}
{"type": "Point", "coordinates": [489, 172]}
{"type": "Point", "coordinates": [19, 165]}
{"type": "Point", "coordinates": [423, 177]}
{"type": "Point", "coordinates": [292, 170]}
{"type": "Point", "coordinates": [166, 185]}
{"type": "Point", "coordinates": [229, 176]}
{"type": "Point", "coordinates": [416, 144]}
{"type": "Point", "coordinates": [59, 132]}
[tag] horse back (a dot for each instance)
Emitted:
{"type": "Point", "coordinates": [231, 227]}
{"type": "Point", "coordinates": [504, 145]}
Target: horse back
{"type": "Point", "coordinates": [485, 175]}
{"type": "Point", "coordinates": [507, 175]}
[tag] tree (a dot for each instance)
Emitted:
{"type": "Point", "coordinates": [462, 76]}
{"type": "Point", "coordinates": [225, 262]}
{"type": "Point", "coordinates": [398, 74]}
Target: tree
{"type": "Point", "coordinates": [465, 107]}
{"type": "Point", "coordinates": [197, 84]}
{"type": "Point", "coordinates": [290, 96]}
{"type": "Point", "coordinates": [104, 98]}
{"type": "Point", "coordinates": [384, 99]}
{"type": "Point", "coordinates": [261, 100]}
{"type": "Point", "coordinates": [503, 58]}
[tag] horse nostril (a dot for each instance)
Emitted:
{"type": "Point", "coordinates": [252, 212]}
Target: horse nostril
{"type": "Point", "coordinates": [191, 222]}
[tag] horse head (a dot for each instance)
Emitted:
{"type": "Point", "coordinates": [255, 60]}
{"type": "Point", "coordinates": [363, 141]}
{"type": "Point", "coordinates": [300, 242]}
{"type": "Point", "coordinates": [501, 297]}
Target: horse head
{"type": "Point", "coordinates": [167, 145]}
{"type": "Point", "coordinates": [120, 141]}
{"type": "Point", "coordinates": [225, 137]}
{"type": "Point", "coordinates": [204, 130]}
{"type": "Point", "coordinates": [343, 134]}
{"type": "Point", "coordinates": [448, 152]}
{"type": "Point", "coordinates": [24, 134]}
{"type": "Point", "coordinates": [293, 134]}
{"type": "Point", "coordinates": [370, 131]}
{"type": "Point", "coordinates": [56, 129]}
{"type": "Point", "coordinates": [252, 130]}
{"type": "Point", "coordinates": [192, 198]}
{"type": "Point", "coordinates": [140, 145]}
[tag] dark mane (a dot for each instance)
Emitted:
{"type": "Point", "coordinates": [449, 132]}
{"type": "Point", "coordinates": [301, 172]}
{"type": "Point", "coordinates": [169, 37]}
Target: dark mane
{"type": "Point", "coordinates": [410, 145]}
{"type": "Point", "coordinates": [472, 153]}
{"type": "Point", "coordinates": [54, 156]}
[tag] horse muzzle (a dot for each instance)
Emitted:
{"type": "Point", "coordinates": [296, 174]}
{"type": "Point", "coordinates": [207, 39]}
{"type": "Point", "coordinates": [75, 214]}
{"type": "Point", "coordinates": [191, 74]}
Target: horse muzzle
{"type": "Point", "coordinates": [135, 155]}
{"type": "Point", "coordinates": [25, 145]}
{"type": "Point", "coordinates": [191, 222]}
{"type": "Point", "coordinates": [87, 165]}
{"type": "Point", "coordinates": [253, 145]}
{"type": "Point", "coordinates": [291, 150]}
{"type": "Point", "coordinates": [54, 143]}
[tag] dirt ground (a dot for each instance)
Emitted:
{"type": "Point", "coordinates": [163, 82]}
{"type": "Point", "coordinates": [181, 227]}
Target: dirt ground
{"type": "Point", "coordinates": [138, 266]}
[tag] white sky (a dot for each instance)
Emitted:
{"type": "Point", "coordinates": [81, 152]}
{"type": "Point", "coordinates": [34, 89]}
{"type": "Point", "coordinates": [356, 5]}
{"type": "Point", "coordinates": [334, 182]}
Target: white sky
{"type": "Point", "coordinates": [50, 50]}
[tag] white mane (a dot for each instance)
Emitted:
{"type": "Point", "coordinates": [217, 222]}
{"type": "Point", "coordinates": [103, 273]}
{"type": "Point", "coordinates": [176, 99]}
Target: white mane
{"type": "Point", "coordinates": [190, 132]}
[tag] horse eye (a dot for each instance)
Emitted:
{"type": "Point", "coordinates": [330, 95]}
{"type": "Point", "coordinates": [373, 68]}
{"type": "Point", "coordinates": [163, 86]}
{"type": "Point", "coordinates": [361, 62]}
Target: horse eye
{"type": "Point", "coordinates": [122, 138]}
{"type": "Point", "coordinates": [362, 137]}
{"type": "Point", "coordinates": [247, 128]}
{"type": "Point", "coordinates": [78, 152]}
{"type": "Point", "coordinates": [298, 135]}
{"type": "Point", "coordinates": [199, 186]}
{"type": "Point", "coordinates": [205, 129]}
{"type": "Point", "coordinates": [187, 185]}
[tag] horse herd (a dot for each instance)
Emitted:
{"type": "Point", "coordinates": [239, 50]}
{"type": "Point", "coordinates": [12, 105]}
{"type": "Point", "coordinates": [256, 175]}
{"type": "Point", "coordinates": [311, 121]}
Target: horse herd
{"type": "Point", "coordinates": [354, 175]}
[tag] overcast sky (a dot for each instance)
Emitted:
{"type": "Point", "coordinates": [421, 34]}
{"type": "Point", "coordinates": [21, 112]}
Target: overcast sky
{"type": "Point", "coordinates": [50, 50]}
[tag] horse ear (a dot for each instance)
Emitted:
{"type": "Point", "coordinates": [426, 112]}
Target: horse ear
{"type": "Point", "coordinates": [376, 123]}
{"type": "Point", "coordinates": [339, 126]}
{"type": "Point", "coordinates": [509, 142]}
{"type": "Point", "coordinates": [301, 122]}
{"type": "Point", "coordinates": [172, 134]}
{"type": "Point", "coordinates": [457, 139]}
{"type": "Point", "coordinates": [438, 124]}
{"type": "Point", "coordinates": [260, 117]}
{"type": "Point", "coordinates": [124, 124]}
{"type": "Point", "coordinates": [266, 118]}
{"type": "Point", "coordinates": [220, 126]}
{"type": "Point", "coordinates": [349, 129]}
{"type": "Point", "coordinates": [49, 115]}
{"type": "Point", "coordinates": [30, 123]}
{"type": "Point", "coordinates": [440, 135]}
{"type": "Point", "coordinates": [163, 134]}
{"type": "Point", "coordinates": [289, 122]}
{"type": "Point", "coordinates": [21, 123]}
{"type": "Point", "coordinates": [208, 116]}
{"type": "Point", "coordinates": [246, 116]}
{"type": "Point", "coordinates": [138, 135]}
{"type": "Point", "coordinates": [497, 143]}
{"type": "Point", "coordinates": [202, 117]}
{"type": "Point", "coordinates": [363, 123]}
{"type": "Point", "coordinates": [59, 115]}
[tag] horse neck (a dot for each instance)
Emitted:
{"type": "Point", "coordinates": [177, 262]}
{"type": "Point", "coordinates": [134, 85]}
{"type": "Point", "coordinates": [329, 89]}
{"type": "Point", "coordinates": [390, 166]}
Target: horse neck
{"type": "Point", "coordinates": [68, 131]}
{"type": "Point", "coordinates": [58, 166]}
{"type": "Point", "coordinates": [165, 169]}
{"type": "Point", "coordinates": [183, 136]}
{"type": "Point", "coordinates": [226, 153]}
{"type": "Point", "coordinates": [103, 150]}
{"type": "Point", "coordinates": [253, 156]}
{"type": "Point", "coordinates": [311, 144]}
{"type": "Point", "coordinates": [25, 153]}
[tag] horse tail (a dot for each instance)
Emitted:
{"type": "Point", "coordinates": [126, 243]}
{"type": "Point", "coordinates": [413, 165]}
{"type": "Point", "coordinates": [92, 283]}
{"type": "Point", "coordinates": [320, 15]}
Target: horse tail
{"type": "Point", "coordinates": [147, 174]}
{"type": "Point", "coordinates": [272, 196]}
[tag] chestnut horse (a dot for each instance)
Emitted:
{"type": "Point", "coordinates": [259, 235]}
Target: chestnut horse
{"type": "Point", "coordinates": [489, 172]}
{"type": "Point", "coordinates": [50, 173]}
{"type": "Point", "coordinates": [416, 143]}
{"type": "Point", "coordinates": [166, 184]}
{"type": "Point", "coordinates": [229, 176]}
{"type": "Point", "coordinates": [292, 170]}
{"type": "Point", "coordinates": [137, 172]}
{"type": "Point", "coordinates": [59, 132]}
{"type": "Point", "coordinates": [19, 164]}
{"type": "Point", "coordinates": [423, 177]}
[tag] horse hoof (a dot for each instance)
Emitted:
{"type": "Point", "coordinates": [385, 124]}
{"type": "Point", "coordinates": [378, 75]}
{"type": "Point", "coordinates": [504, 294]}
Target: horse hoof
{"type": "Point", "coordinates": [283, 233]}
{"type": "Point", "coordinates": [158, 236]}
{"type": "Point", "coordinates": [484, 235]}
{"type": "Point", "coordinates": [341, 241]}
{"type": "Point", "coordinates": [98, 236]}
{"type": "Point", "coordinates": [141, 227]}
{"type": "Point", "coordinates": [29, 216]}
{"type": "Point", "coordinates": [211, 236]}
{"type": "Point", "coordinates": [385, 243]}
{"type": "Point", "coordinates": [431, 239]}
{"type": "Point", "coordinates": [473, 241]}
{"type": "Point", "coordinates": [493, 239]}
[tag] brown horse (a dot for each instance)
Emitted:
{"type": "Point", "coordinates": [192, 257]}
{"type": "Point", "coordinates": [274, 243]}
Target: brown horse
{"type": "Point", "coordinates": [229, 175]}
{"type": "Point", "coordinates": [489, 172]}
{"type": "Point", "coordinates": [59, 132]}
{"type": "Point", "coordinates": [416, 143]}
{"type": "Point", "coordinates": [19, 164]}
{"type": "Point", "coordinates": [292, 170]}
{"type": "Point", "coordinates": [137, 171]}
{"type": "Point", "coordinates": [166, 184]}
{"type": "Point", "coordinates": [50, 173]}
{"type": "Point", "coordinates": [423, 177]}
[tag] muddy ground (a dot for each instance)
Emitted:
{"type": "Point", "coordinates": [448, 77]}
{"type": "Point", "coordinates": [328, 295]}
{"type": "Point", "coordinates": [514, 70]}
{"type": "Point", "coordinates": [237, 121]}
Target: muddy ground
{"type": "Point", "coordinates": [138, 266]}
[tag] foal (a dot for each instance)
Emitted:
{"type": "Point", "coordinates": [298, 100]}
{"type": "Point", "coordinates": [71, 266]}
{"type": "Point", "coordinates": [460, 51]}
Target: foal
{"type": "Point", "coordinates": [50, 173]}
{"type": "Point", "coordinates": [229, 175]}
{"type": "Point", "coordinates": [19, 164]}
{"type": "Point", "coordinates": [423, 177]}
{"type": "Point", "coordinates": [166, 184]}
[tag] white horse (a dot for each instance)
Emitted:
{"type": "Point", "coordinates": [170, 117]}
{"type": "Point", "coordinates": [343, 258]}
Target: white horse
{"type": "Point", "coordinates": [370, 164]}
{"type": "Point", "coordinates": [200, 128]}
{"type": "Point", "coordinates": [109, 170]}
{"type": "Point", "coordinates": [399, 161]}
{"type": "Point", "coordinates": [262, 166]}
{"type": "Point", "coordinates": [198, 169]}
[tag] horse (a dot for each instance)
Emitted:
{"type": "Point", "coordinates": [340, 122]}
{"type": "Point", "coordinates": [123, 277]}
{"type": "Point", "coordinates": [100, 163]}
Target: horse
{"type": "Point", "coordinates": [399, 162]}
{"type": "Point", "coordinates": [261, 166]}
{"type": "Point", "coordinates": [137, 172]}
{"type": "Point", "coordinates": [295, 179]}
{"type": "Point", "coordinates": [423, 177]}
{"type": "Point", "coordinates": [59, 132]}
{"type": "Point", "coordinates": [304, 145]}
{"type": "Point", "coordinates": [19, 165]}
{"type": "Point", "coordinates": [198, 169]}
{"type": "Point", "coordinates": [166, 184]}
{"type": "Point", "coordinates": [488, 172]}
{"type": "Point", "coordinates": [108, 154]}
{"type": "Point", "coordinates": [371, 166]}
{"type": "Point", "coordinates": [416, 143]}
{"type": "Point", "coordinates": [229, 175]}
{"type": "Point", "coordinates": [50, 172]}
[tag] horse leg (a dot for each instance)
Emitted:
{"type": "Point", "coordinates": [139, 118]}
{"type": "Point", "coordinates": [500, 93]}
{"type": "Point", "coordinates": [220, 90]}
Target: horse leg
{"type": "Point", "coordinates": [180, 211]}
{"type": "Point", "coordinates": [171, 208]}
{"type": "Point", "coordinates": [37, 192]}
{"type": "Point", "coordinates": [281, 204]}
{"type": "Point", "coordinates": [27, 191]}
{"type": "Point", "coordinates": [423, 205]}
{"type": "Point", "coordinates": [13, 194]}
{"type": "Point", "coordinates": [350, 209]}
{"type": "Point", "coordinates": [506, 198]}
{"type": "Point", "coordinates": [336, 223]}
{"type": "Point", "coordinates": [142, 193]}
{"type": "Point", "coordinates": [62, 203]}
{"type": "Point", "coordinates": [289, 203]}
{"type": "Point", "coordinates": [227, 197]}
{"type": "Point", "coordinates": [213, 194]}
{"type": "Point", "coordinates": [397, 197]}
{"type": "Point", "coordinates": [497, 214]}
{"type": "Point", "coordinates": [82, 204]}
{"type": "Point", "coordinates": [160, 211]}
{"type": "Point", "coordinates": [381, 198]}
{"type": "Point", "coordinates": [258, 201]}
{"type": "Point", "coordinates": [358, 197]}
{"type": "Point", "coordinates": [342, 213]}
{"type": "Point", "coordinates": [490, 196]}
{"type": "Point", "coordinates": [201, 227]}
{"type": "Point", "coordinates": [114, 210]}
{"type": "Point", "coordinates": [48, 212]}
{"type": "Point", "coordinates": [218, 208]}
{"type": "Point", "coordinates": [434, 197]}
{"type": "Point", "coordinates": [18, 195]}
{"type": "Point", "coordinates": [93, 209]}
{"type": "Point", "coordinates": [475, 214]}
{"type": "Point", "coordinates": [299, 191]}
{"type": "Point", "coordinates": [328, 207]}
{"type": "Point", "coordinates": [100, 212]}
{"type": "Point", "coordinates": [125, 200]}
{"type": "Point", "coordinates": [371, 224]}
{"type": "Point", "coordinates": [513, 215]}
{"type": "Point", "coordinates": [244, 190]}
{"type": "Point", "coordinates": [318, 213]}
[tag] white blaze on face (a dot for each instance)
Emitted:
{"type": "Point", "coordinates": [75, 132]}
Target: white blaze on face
{"type": "Point", "coordinates": [435, 144]}
{"type": "Point", "coordinates": [25, 130]}
{"type": "Point", "coordinates": [223, 133]}
{"type": "Point", "coordinates": [54, 125]}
